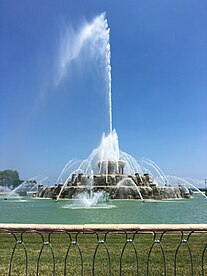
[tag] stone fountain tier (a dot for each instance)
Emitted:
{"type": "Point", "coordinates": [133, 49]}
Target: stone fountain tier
{"type": "Point", "coordinates": [110, 179]}
{"type": "Point", "coordinates": [153, 192]}
{"type": "Point", "coordinates": [143, 184]}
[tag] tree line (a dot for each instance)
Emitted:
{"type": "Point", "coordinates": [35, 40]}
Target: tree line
{"type": "Point", "coordinates": [10, 178]}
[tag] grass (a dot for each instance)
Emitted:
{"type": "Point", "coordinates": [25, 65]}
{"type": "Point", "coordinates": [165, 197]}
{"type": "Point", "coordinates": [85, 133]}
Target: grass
{"type": "Point", "coordinates": [116, 245]}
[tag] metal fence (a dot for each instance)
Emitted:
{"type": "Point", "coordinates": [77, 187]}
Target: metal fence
{"type": "Point", "coordinates": [132, 249]}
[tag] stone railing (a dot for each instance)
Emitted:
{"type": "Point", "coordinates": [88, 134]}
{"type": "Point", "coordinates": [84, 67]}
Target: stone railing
{"type": "Point", "coordinates": [123, 249]}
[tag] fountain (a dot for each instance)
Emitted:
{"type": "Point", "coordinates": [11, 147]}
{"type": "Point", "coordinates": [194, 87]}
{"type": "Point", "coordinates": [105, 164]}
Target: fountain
{"type": "Point", "coordinates": [110, 170]}
{"type": "Point", "coordinates": [107, 169]}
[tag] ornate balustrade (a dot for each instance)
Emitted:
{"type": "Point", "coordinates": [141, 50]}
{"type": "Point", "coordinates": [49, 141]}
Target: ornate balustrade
{"type": "Point", "coordinates": [124, 249]}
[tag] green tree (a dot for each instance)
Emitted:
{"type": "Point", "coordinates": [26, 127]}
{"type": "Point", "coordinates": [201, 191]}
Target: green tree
{"type": "Point", "coordinates": [10, 178]}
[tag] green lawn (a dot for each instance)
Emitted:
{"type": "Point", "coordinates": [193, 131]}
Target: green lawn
{"type": "Point", "coordinates": [120, 251]}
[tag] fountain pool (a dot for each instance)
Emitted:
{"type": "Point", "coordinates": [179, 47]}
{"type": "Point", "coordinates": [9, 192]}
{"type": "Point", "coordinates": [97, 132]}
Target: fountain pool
{"type": "Point", "coordinates": [47, 211]}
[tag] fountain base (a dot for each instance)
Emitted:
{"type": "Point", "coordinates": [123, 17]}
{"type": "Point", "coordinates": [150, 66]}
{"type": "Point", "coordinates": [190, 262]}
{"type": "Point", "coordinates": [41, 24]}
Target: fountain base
{"type": "Point", "coordinates": [111, 179]}
{"type": "Point", "coordinates": [114, 192]}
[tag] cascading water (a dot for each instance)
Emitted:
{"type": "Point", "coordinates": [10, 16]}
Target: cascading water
{"type": "Point", "coordinates": [152, 164]}
{"type": "Point", "coordinates": [84, 200]}
{"type": "Point", "coordinates": [27, 186]}
{"type": "Point", "coordinates": [182, 181]}
{"type": "Point", "coordinates": [128, 183]}
{"type": "Point", "coordinates": [89, 198]}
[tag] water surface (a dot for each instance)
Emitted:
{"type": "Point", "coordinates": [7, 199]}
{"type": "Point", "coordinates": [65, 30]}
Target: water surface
{"type": "Point", "coordinates": [47, 211]}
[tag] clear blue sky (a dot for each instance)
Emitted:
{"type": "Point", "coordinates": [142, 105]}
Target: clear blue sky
{"type": "Point", "coordinates": [159, 85]}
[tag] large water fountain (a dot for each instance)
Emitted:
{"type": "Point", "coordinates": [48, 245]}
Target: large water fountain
{"type": "Point", "coordinates": [108, 170]}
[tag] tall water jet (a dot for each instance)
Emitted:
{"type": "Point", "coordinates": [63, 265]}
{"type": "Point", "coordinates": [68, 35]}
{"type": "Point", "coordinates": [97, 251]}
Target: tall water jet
{"type": "Point", "coordinates": [108, 71]}
{"type": "Point", "coordinates": [94, 38]}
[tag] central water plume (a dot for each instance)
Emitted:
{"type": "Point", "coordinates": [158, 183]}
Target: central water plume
{"type": "Point", "coordinates": [107, 156]}
{"type": "Point", "coordinates": [92, 40]}
{"type": "Point", "coordinates": [109, 147]}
